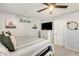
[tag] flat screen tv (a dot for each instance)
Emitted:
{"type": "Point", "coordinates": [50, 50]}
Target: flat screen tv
{"type": "Point", "coordinates": [46, 26]}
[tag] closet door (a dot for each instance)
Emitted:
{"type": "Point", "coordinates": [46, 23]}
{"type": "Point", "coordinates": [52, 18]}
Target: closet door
{"type": "Point", "coordinates": [72, 40]}
{"type": "Point", "coordinates": [58, 32]}
{"type": "Point", "coordinates": [72, 37]}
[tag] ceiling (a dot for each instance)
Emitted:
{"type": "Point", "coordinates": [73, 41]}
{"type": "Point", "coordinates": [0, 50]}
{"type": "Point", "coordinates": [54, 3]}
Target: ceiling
{"type": "Point", "coordinates": [30, 9]}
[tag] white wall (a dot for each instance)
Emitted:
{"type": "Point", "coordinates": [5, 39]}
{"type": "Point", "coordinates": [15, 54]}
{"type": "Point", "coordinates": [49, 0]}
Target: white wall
{"type": "Point", "coordinates": [21, 28]}
{"type": "Point", "coordinates": [74, 16]}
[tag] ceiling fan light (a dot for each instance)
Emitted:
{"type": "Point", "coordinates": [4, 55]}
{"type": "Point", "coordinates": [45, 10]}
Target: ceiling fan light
{"type": "Point", "coordinates": [50, 7]}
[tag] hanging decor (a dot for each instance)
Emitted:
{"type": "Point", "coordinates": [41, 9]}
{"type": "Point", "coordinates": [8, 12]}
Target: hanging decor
{"type": "Point", "coordinates": [34, 26]}
{"type": "Point", "coordinates": [72, 25]}
{"type": "Point", "coordinates": [10, 24]}
{"type": "Point", "coordinates": [24, 21]}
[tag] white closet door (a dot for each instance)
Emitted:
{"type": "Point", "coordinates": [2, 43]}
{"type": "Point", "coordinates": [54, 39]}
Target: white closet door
{"type": "Point", "coordinates": [72, 39]}
{"type": "Point", "coordinates": [58, 32]}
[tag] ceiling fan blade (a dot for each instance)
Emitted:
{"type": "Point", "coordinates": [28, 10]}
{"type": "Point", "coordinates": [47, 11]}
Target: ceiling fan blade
{"type": "Point", "coordinates": [53, 3]}
{"type": "Point", "coordinates": [61, 6]}
{"type": "Point", "coordinates": [46, 4]}
{"type": "Point", "coordinates": [41, 10]}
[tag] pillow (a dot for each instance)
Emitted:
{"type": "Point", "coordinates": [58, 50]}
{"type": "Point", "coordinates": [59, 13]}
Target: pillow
{"type": "Point", "coordinates": [8, 33]}
{"type": "Point", "coordinates": [0, 37]}
{"type": "Point", "coordinates": [8, 41]}
{"type": "Point", "coordinates": [3, 50]}
{"type": "Point", "coordinates": [12, 38]}
{"type": "Point", "coordinates": [13, 41]}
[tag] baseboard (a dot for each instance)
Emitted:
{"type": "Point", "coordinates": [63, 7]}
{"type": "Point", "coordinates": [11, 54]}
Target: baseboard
{"type": "Point", "coordinates": [66, 48]}
{"type": "Point", "coordinates": [59, 45]}
{"type": "Point", "coordinates": [72, 49]}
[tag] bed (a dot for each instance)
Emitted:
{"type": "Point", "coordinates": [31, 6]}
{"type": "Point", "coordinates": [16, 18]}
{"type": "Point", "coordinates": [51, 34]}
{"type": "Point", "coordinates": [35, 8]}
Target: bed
{"type": "Point", "coordinates": [31, 46]}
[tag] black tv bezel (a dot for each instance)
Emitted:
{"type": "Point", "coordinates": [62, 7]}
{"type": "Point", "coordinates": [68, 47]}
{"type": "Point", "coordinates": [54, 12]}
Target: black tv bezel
{"type": "Point", "coordinates": [46, 28]}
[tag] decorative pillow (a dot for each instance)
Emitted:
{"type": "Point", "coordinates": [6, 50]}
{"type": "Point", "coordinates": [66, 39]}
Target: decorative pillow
{"type": "Point", "coordinates": [8, 41]}
{"type": "Point", "coordinates": [12, 38]}
{"type": "Point", "coordinates": [3, 50]}
{"type": "Point", "coordinates": [8, 33]}
{"type": "Point", "coordinates": [13, 41]}
{"type": "Point", "coordinates": [0, 37]}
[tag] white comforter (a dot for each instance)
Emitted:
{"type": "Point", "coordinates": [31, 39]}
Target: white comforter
{"type": "Point", "coordinates": [26, 41]}
{"type": "Point", "coordinates": [27, 46]}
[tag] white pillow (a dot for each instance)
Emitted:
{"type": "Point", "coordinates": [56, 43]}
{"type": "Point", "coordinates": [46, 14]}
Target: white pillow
{"type": "Point", "coordinates": [3, 50]}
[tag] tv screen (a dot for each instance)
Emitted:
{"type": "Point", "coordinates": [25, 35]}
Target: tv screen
{"type": "Point", "coordinates": [47, 26]}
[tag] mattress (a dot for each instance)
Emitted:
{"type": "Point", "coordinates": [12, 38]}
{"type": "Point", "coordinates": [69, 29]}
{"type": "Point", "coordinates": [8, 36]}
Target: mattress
{"type": "Point", "coordinates": [29, 46]}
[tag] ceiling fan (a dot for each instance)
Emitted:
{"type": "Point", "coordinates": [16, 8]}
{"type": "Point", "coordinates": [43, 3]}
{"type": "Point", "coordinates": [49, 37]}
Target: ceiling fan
{"type": "Point", "coordinates": [51, 6]}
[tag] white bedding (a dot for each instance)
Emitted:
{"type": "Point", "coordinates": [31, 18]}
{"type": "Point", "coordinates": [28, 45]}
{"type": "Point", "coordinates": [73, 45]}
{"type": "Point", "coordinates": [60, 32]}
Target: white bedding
{"type": "Point", "coordinates": [30, 50]}
{"type": "Point", "coordinates": [26, 41]}
{"type": "Point", "coordinates": [27, 46]}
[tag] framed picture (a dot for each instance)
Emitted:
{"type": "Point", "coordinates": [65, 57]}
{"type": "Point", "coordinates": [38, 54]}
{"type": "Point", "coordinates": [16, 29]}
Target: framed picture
{"type": "Point", "coordinates": [10, 24]}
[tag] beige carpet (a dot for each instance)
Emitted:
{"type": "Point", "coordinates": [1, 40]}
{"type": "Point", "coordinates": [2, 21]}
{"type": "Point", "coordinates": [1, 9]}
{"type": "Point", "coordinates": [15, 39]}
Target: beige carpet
{"type": "Point", "coordinates": [61, 51]}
